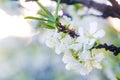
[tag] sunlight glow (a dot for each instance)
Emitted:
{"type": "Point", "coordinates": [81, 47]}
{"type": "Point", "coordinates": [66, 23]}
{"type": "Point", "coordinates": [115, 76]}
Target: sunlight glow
{"type": "Point", "coordinates": [115, 23]}
{"type": "Point", "coordinates": [13, 26]}
{"type": "Point", "coordinates": [29, 5]}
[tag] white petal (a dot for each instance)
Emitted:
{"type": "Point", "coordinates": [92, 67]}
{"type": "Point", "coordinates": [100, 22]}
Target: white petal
{"type": "Point", "coordinates": [82, 70]}
{"type": "Point", "coordinates": [67, 58]}
{"type": "Point", "coordinates": [76, 47]}
{"type": "Point", "coordinates": [50, 42]}
{"type": "Point", "coordinates": [85, 55]}
{"type": "Point", "coordinates": [66, 40]}
{"type": "Point", "coordinates": [59, 49]}
{"type": "Point", "coordinates": [56, 35]}
{"type": "Point", "coordinates": [81, 39]}
{"type": "Point", "coordinates": [97, 65]}
{"type": "Point", "coordinates": [99, 57]}
{"type": "Point", "coordinates": [70, 66]}
{"type": "Point", "coordinates": [81, 32]}
{"type": "Point", "coordinates": [65, 20]}
{"type": "Point", "coordinates": [88, 66]}
{"type": "Point", "coordinates": [90, 43]}
{"type": "Point", "coordinates": [93, 27]}
{"type": "Point", "coordinates": [99, 34]}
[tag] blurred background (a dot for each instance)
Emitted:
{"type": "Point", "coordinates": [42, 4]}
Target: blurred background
{"type": "Point", "coordinates": [24, 56]}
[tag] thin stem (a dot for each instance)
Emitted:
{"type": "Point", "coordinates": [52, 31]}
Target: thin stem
{"type": "Point", "coordinates": [71, 32]}
{"type": "Point", "coordinates": [112, 48]}
{"type": "Point", "coordinates": [106, 10]}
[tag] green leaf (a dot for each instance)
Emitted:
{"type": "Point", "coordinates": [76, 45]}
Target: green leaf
{"type": "Point", "coordinates": [63, 36]}
{"type": "Point", "coordinates": [97, 42]}
{"type": "Point", "coordinates": [78, 7]}
{"type": "Point", "coordinates": [75, 54]}
{"type": "Point", "coordinates": [47, 26]}
{"type": "Point", "coordinates": [57, 8]}
{"type": "Point", "coordinates": [56, 12]}
{"type": "Point", "coordinates": [57, 20]}
{"type": "Point", "coordinates": [45, 9]}
{"type": "Point", "coordinates": [39, 19]}
{"type": "Point", "coordinates": [67, 26]}
{"type": "Point", "coordinates": [42, 13]}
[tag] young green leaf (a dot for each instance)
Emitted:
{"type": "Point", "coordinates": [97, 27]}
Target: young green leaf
{"type": "Point", "coordinates": [45, 9]}
{"type": "Point", "coordinates": [67, 26]}
{"type": "Point", "coordinates": [56, 12]}
{"type": "Point", "coordinates": [57, 8]}
{"type": "Point", "coordinates": [96, 43]}
{"type": "Point", "coordinates": [39, 19]}
{"type": "Point", "coordinates": [42, 13]}
{"type": "Point", "coordinates": [47, 26]}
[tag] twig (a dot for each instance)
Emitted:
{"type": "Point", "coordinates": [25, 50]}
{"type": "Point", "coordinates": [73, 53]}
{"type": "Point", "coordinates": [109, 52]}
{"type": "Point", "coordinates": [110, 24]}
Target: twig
{"type": "Point", "coordinates": [30, 0]}
{"type": "Point", "coordinates": [115, 4]}
{"type": "Point", "coordinates": [106, 10]}
{"type": "Point", "coordinates": [71, 32]}
{"type": "Point", "coordinates": [112, 48]}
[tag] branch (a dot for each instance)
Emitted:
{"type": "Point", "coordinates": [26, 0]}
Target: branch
{"type": "Point", "coordinates": [107, 10]}
{"type": "Point", "coordinates": [71, 32]}
{"type": "Point", "coordinates": [115, 4]}
{"type": "Point", "coordinates": [30, 0]}
{"type": "Point", "coordinates": [112, 48]}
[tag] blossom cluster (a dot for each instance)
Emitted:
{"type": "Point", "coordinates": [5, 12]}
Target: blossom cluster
{"type": "Point", "coordinates": [76, 44]}
{"type": "Point", "coordinates": [77, 53]}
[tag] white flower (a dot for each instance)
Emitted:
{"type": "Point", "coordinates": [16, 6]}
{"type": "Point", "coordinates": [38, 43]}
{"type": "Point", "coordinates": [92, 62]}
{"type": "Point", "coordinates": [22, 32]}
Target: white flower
{"type": "Point", "coordinates": [52, 39]}
{"type": "Point", "coordinates": [80, 59]}
{"type": "Point", "coordinates": [65, 20]}
{"type": "Point", "coordinates": [64, 44]}
{"type": "Point", "coordinates": [76, 46]}
{"type": "Point", "coordinates": [67, 57]}
{"type": "Point", "coordinates": [93, 32]}
{"type": "Point", "coordinates": [50, 42]}
{"type": "Point", "coordinates": [94, 62]}
{"type": "Point", "coordinates": [60, 48]}
{"type": "Point", "coordinates": [73, 64]}
{"type": "Point", "coordinates": [77, 67]}
{"type": "Point", "coordinates": [84, 55]}
{"type": "Point", "coordinates": [57, 41]}
{"type": "Point", "coordinates": [88, 37]}
{"type": "Point", "coordinates": [84, 40]}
